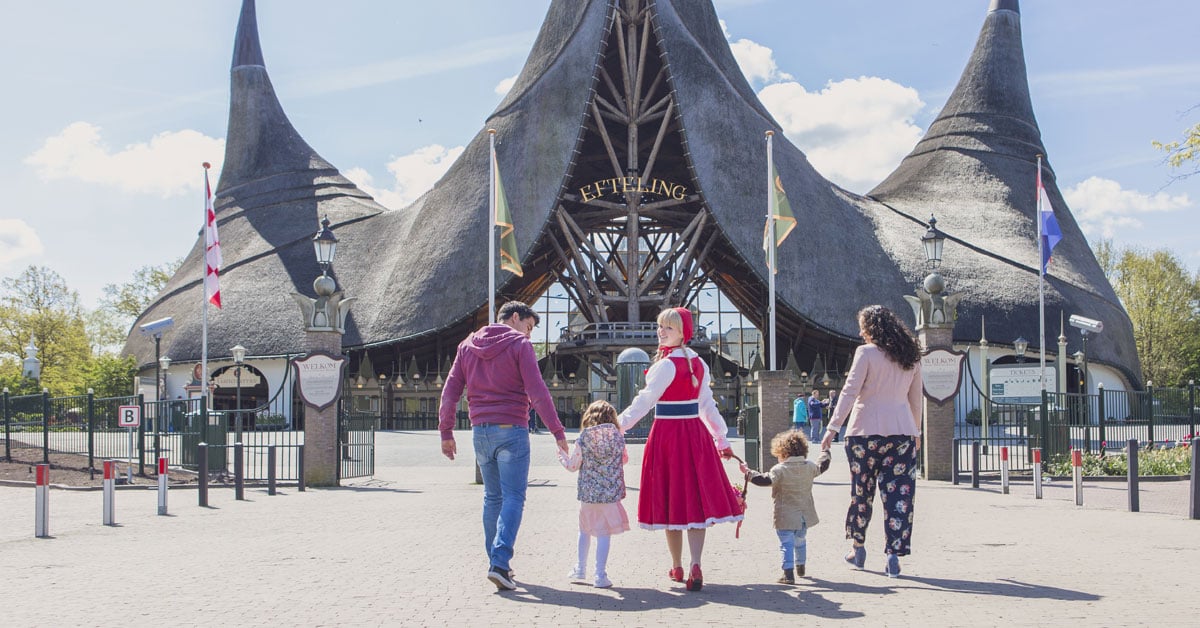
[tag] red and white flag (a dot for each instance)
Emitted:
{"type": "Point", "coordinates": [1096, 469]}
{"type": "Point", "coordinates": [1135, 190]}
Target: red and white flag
{"type": "Point", "coordinates": [212, 248]}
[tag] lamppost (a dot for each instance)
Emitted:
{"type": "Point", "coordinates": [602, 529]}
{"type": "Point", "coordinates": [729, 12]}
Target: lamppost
{"type": "Point", "coordinates": [239, 356]}
{"type": "Point", "coordinates": [164, 363]}
{"type": "Point", "coordinates": [324, 368]}
{"type": "Point", "coordinates": [1020, 345]}
{"type": "Point", "coordinates": [382, 397]}
{"type": "Point", "coordinates": [156, 329]}
{"type": "Point", "coordinates": [935, 312]}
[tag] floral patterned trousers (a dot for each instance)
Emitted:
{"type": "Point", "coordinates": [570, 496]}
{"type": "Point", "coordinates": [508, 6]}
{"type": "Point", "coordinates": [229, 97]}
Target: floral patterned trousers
{"type": "Point", "coordinates": [889, 462]}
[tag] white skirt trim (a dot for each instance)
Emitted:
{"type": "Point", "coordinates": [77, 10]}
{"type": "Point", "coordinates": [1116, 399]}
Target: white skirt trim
{"type": "Point", "coordinates": [708, 523]}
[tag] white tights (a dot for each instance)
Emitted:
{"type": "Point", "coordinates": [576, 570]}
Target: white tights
{"type": "Point", "coordinates": [601, 553]}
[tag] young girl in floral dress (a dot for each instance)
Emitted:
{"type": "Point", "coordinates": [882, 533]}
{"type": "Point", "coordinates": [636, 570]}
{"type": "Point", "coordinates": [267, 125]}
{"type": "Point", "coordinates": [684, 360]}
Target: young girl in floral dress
{"type": "Point", "coordinates": [684, 487]}
{"type": "Point", "coordinates": [598, 455]}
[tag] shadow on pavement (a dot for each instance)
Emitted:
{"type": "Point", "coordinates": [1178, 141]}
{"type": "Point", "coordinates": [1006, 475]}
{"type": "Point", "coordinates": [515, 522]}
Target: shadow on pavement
{"type": "Point", "coordinates": [1008, 588]}
{"type": "Point", "coordinates": [792, 600]}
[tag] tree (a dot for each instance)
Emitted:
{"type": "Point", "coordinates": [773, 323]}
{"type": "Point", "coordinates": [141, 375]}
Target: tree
{"type": "Point", "coordinates": [1182, 152]}
{"type": "Point", "coordinates": [1162, 301]}
{"type": "Point", "coordinates": [111, 375]}
{"type": "Point", "coordinates": [39, 305]}
{"type": "Point", "coordinates": [127, 301]}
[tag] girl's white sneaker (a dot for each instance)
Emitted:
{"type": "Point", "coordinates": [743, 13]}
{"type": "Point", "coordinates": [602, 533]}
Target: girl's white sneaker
{"type": "Point", "coordinates": [577, 574]}
{"type": "Point", "coordinates": [602, 581]}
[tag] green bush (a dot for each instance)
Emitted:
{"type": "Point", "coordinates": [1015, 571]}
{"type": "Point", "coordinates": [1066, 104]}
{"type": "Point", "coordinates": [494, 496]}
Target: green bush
{"type": "Point", "coordinates": [1151, 461]}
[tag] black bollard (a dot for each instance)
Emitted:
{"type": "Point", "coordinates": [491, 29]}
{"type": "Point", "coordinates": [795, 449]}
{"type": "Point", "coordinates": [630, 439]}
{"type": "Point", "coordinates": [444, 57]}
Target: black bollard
{"type": "Point", "coordinates": [1132, 448]}
{"type": "Point", "coordinates": [239, 473]}
{"type": "Point", "coordinates": [202, 462]}
{"type": "Point", "coordinates": [1195, 505]}
{"type": "Point", "coordinates": [300, 468]}
{"type": "Point", "coordinates": [975, 464]}
{"type": "Point", "coordinates": [954, 458]}
{"type": "Point", "coordinates": [270, 469]}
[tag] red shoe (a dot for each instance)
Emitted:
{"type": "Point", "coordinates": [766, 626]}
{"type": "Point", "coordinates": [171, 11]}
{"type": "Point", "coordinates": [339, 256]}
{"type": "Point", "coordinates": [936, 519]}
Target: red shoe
{"type": "Point", "coordinates": [696, 580]}
{"type": "Point", "coordinates": [676, 574]}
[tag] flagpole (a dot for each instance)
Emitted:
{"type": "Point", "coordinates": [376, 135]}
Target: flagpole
{"type": "Point", "coordinates": [771, 249]}
{"type": "Point", "coordinates": [204, 392]}
{"type": "Point", "coordinates": [492, 226]}
{"type": "Point", "coordinates": [1041, 277]}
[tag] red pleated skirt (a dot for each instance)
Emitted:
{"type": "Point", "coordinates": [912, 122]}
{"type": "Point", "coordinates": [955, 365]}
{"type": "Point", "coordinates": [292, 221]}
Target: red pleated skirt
{"type": "Point", "coordinates": [684, 484]}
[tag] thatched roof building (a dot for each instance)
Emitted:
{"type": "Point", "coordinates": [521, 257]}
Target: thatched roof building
{"type": "Point", "coordinates": [636, 91]}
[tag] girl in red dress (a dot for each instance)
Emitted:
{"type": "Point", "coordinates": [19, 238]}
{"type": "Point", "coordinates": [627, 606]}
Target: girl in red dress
{"type": "Point", "coordinates": [684, 485]}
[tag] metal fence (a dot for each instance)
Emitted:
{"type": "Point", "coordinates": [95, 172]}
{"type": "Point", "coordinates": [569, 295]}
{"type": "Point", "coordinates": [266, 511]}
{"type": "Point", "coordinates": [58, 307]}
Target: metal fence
{"type": "Point", "coordinates": [1065, 421]}
{"type": "Point", "coordinates": [87, 425]}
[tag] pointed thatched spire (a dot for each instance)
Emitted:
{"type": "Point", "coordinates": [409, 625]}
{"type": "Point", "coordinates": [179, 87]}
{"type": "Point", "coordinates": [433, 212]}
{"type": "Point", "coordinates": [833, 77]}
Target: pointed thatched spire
{"type": "Point", "coordinates": [261, 141]}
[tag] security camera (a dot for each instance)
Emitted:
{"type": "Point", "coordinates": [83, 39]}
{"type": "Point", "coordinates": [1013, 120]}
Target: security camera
{"type": "Point", "coordinates": [1088, 325]}
{"type": "Point", "coordinates": [156, 328]}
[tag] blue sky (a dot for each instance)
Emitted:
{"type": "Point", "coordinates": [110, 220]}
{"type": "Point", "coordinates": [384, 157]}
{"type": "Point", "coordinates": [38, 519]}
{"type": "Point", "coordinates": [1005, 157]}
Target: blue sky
{"type": "Point", "coordinates": [113, 106]}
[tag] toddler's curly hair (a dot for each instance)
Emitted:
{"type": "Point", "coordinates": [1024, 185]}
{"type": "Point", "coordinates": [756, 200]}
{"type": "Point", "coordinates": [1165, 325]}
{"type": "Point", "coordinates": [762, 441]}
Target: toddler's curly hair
{"type": "Point", "coordinates": [788, 444]}
{"type": "Point", "coordinates": [599, 412]}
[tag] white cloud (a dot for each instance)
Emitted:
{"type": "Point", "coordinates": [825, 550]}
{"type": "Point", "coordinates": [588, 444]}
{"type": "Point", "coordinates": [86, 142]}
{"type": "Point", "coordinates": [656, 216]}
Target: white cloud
{"type": "Point", "coordinates": [756, 61]}
{"type": "Point", "coordinates": [503, 87]}
{"type": "Point", "coordinates": [167, 165]}
{"type": "Point", "coordinates": [413, 175]}
{"type": "Point", "coordinates": [17, 240]}
{"type": "Point", "coordinates": [855, 131]}
{"type": "Point", "coordinates": [1102, 208]}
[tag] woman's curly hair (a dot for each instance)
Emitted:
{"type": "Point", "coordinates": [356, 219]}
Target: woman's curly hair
{"type": "Point", "coordinates": [889, 333]}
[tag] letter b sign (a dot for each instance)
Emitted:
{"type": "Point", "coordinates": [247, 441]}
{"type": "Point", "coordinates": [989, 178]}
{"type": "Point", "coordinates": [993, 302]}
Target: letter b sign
{"type": "Point", "coordinates": [129, 416]}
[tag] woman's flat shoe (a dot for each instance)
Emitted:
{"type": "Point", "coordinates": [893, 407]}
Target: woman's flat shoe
{"type": "Point", "coordinates": [696, 580]}
{"type": "Point", "coordinates": [857, 558]}
{"type": "Point", "coordinates": [893, 566]}
{"type": "Point", "coordinates": [676, 574]}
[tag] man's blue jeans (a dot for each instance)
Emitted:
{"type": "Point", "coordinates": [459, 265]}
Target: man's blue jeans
{"type": "Point", "coordinates": [817, 433]}
{"type": "Point", "coordinates": [794, 546]}
{"type": "Point", "coordinates": [502, 452]}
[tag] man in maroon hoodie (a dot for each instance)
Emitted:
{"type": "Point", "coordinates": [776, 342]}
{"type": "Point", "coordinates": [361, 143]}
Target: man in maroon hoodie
{"type": "Point", "coordinates": [498, 368]}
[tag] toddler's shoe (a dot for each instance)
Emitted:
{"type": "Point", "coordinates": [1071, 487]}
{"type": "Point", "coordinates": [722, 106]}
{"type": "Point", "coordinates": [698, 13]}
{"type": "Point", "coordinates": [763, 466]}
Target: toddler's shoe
{"type": "Point", "coordinates": [787, 577]}
{"type": "Point", "coordinates": [893, 566]}
{"type": "Point", "coordinates": [676, 574]}
{"type": "Point", "coordinates": [577, 573]}
{"type": "Point", "coordinates": [800, 571]}
{"type": "Point", "coordinates": [857, 557]}
{"type": "Point", "coordinates": [602, 581]}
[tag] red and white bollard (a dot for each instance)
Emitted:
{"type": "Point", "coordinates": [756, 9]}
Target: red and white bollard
{"type": "Point", "coordinates": [1037, 473]}
{"type": "Point", "coordinates": [1077, 474]}
{"type": "Point", "coordinates": [110, 476]}
{"type": "Point", "coordinates": [162, 485]}
{"type": "Point", "coordinates": [41, 508]}
{"type": "Point", "coordinates": [1004, 470]}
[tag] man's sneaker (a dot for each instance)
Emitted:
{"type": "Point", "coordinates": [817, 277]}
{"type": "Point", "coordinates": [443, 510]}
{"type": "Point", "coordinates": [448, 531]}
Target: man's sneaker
{"type": "Point", "coordinates": [502, 578]}
{"type": "Point", "coordinates": [577, 573]}
{"type": "Point", "coordinates": [602, 581]}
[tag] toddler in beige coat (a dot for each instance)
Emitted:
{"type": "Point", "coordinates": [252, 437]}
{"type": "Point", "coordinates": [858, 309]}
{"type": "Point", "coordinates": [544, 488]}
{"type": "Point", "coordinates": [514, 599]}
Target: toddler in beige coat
{"type": "Point", "coordinates": [791, 487]}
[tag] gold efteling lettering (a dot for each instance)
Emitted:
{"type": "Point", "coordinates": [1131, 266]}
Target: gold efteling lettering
{"type": "Point", "coordinates": [626, 185]}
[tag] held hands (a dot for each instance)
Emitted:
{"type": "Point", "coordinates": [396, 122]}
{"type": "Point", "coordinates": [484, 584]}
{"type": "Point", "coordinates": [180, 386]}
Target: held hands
{"type": "Point", "coordinates": [727, 453]}
{"type": "Point", "coordinates": [449, 448]}
{"type": "Point", "coordinates": [562, 446]}
{"type": "Point", "coordinates": [827, 441]}
{"type": "Point", "coordinates": [743, 468]}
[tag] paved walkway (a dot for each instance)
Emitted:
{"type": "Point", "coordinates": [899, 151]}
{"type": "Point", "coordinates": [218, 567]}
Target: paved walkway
{"type": "Point", "coordinates": [405, 548]}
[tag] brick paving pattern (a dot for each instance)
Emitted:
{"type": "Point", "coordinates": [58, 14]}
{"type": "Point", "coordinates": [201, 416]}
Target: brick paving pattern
{"type": "Point", "coordinates": [405, 549]}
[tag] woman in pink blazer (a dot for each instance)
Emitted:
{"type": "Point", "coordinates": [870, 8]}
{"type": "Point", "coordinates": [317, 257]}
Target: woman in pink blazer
{"type": "Point", "coordinates": [882, 400]}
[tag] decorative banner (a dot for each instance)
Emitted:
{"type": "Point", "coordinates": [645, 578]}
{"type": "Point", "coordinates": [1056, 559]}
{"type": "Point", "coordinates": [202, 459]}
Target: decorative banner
{"type": "Point", "coordinates": [320, 378]}
{"type": "Point", "coordinates": [941, 372]}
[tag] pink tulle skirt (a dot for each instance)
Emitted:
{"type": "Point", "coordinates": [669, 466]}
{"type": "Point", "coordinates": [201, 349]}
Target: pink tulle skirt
{"type": "Point", "coordinates": [603, 519]}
